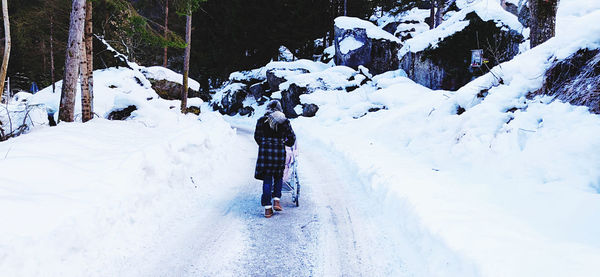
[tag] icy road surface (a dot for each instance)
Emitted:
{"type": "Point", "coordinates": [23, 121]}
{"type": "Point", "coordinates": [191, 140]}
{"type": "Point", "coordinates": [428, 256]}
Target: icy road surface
{"type": "Point", "coordinates": [336, 231]}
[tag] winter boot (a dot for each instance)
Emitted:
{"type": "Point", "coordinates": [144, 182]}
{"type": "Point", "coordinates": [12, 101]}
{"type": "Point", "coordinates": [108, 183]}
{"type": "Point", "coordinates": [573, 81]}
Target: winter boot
{"type": "Point", "coordinates": [268, 211]}
{"type": "Point", "coordinates": [276, 205]}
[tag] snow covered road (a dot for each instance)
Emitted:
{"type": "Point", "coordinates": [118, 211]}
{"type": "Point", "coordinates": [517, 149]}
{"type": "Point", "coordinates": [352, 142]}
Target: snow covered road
{"type": "Point", "coordinates": [338, 230]}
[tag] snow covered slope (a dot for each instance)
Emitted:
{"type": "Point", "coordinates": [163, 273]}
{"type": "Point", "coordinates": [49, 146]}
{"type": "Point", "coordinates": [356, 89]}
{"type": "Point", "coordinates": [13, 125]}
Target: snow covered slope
{"type": "Point", "coordinates": [107, 198]}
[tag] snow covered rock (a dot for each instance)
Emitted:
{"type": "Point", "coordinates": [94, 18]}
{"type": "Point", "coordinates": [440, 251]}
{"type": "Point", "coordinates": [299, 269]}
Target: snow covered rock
{"type": "Point", "coordinates": [231, 98]}
{"type": "Point", "coordinates": [285, 54]}
{"type": "Point", "coordinates": [168, 84]}
{"type": "Point", "coordinates": [441, 58]}
{"type": "Point", "coordinates": [277, 76]}
{"type": "Point", "coordinates": [360, 42]}
{"type": "Point", "coordinates": [575, 80]}
{"type": "Point", "coordinates": [290, 98]}
{"type": "Point", "coordinates": [172, 91]}
{"type": "Point", "coordinates": [309, 110]}
{"type": "Point", "coordinates": [259, 90]}
{"type": "Point", "coordinates": [519, 8]}
{"type": "Point", "coordinates": [122, 114]}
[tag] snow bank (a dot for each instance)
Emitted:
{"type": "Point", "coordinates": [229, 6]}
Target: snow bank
{"type": "Point", "coordinates": [88, 199]}
{"type": "Point", "coordinates": [116, 88]}
{"type": "Point", "coordinates": [374, 32]}
{"type": "Point", "coordinates": [113, 198]}
{"type": "Point", "coordinates": [331, 78]}
{"type": "Point", "coordinates": [511, 184]}
{"type": "Point", "coordinates": [261, 73]}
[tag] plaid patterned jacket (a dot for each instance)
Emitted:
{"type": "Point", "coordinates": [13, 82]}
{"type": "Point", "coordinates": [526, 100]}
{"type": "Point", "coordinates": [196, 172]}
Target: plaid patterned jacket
{"type": "Point", "coordinates": [271, 147]}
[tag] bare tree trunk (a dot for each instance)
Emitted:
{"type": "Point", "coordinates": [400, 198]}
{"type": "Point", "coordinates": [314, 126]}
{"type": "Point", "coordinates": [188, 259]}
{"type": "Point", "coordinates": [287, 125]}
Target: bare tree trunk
{"type": "Point", "coordinates": [74, 47]}
{"type": "Point", "coordinates": [89, 52]}
{"type": "Point", "coordinates": [52, 53]}
{"type": "Point", "coordinates": [166, 58]}
{"type": "Point", "coordinates": [86, 109]}
{"type": "Point", "coordinates": [186, 61]}
{"type": "Point", "coordinates": [439, 12]}
{"type": "Point", "coordinates": [44, 57]}
{"type": "Point", "coordinates": [4, 68]}
{"type": "Point", "coordinates": [432, 14]}
{"type": "Point", "coordinates": [543, 20]}
{"type": "Point", "coordinates": [345, 7]}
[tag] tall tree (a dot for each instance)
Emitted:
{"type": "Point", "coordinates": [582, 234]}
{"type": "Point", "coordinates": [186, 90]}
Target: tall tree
{"type": "Point", "coordinates": [89, 50]}
{"type": "Point", "coordinates": [186, 60]}
{"type": "Point", "coordinates": [6, 48]}
{"type": "Point", "coordinates": [165, 57]}
{"type": "Point", "coordinates": [439, 13]}
{"type": "Point", "coordinates": [52, 53]}
{"type": "Point", "coordinates": [542, 20]}
{"type": "Point", "coordinates": [87, 67]}
{"type": "Point", "coordinates": [187, 8]}
{"type": "Point", "coordinates": [432, 14]}
{"type": "Point", "coordinates": [345, 7]}
{"type": "Point", "coordinates": [73, 55]}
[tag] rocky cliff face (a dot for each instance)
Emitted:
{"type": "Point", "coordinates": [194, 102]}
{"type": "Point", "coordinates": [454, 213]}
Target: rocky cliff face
{"type": "Point", "coordinates": [447, 65]}
{"type": "Point", "coordinates": [575, 80]}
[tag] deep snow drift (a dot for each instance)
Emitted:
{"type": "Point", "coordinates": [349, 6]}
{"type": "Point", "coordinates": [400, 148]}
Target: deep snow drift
{"type": "Point", "coordinates": [90, 199]}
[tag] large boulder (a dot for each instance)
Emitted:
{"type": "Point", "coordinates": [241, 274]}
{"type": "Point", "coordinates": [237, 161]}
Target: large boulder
{"type": "Point", "coordinates": [446, 62]}
{"type": "Point", "coordinates": [172, 90]}
{"type": "Point", "coordinates": [290, 98]}
{"type": "Point", "coordinates": [121, 114]}
{"type": "Point", "coordinates": [259, 90]}
{"type": "Point", "coordinates": [232, 100]}
{"type": "Point", "coordinates": [391, 27]}
{"type": "Point", "coordinates": [360, 42]}
{"type": "Point", "coordinates": [575, 79]}
{"type": "Point", "coordinates": [309, 110]}
{"type": "Point", "coordinates": [276, 76]}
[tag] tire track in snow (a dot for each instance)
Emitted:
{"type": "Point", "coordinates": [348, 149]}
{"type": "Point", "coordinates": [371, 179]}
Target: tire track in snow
{"type": "Point", "coordinates": [328, 235]}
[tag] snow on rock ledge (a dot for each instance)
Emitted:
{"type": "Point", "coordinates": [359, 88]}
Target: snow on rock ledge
{"type": "Point", "coordinates": [168, 83]}
{"type": "Point", "coordinates": [360, 42]}
{"type": "Point", "coordinates": [440, 58]}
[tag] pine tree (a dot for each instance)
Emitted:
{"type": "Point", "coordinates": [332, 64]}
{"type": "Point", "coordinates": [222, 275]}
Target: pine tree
{"type": "Point", "coordinates": [187, 7]}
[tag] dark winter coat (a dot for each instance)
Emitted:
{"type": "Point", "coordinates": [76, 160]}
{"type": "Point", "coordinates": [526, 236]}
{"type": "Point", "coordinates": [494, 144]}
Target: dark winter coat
{"type": "Point", "coordinates": [271, 144]}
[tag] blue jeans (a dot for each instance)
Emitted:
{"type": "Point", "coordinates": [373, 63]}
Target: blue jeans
{"type": "Point", "coordinates": [268, 194]}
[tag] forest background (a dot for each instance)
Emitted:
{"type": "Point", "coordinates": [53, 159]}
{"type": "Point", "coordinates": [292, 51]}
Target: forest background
{"type": "Point", "coordinates": [227, 35]}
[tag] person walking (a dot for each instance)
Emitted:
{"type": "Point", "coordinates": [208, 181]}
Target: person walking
{"type": "Point", "coordinates": [273, 132]}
